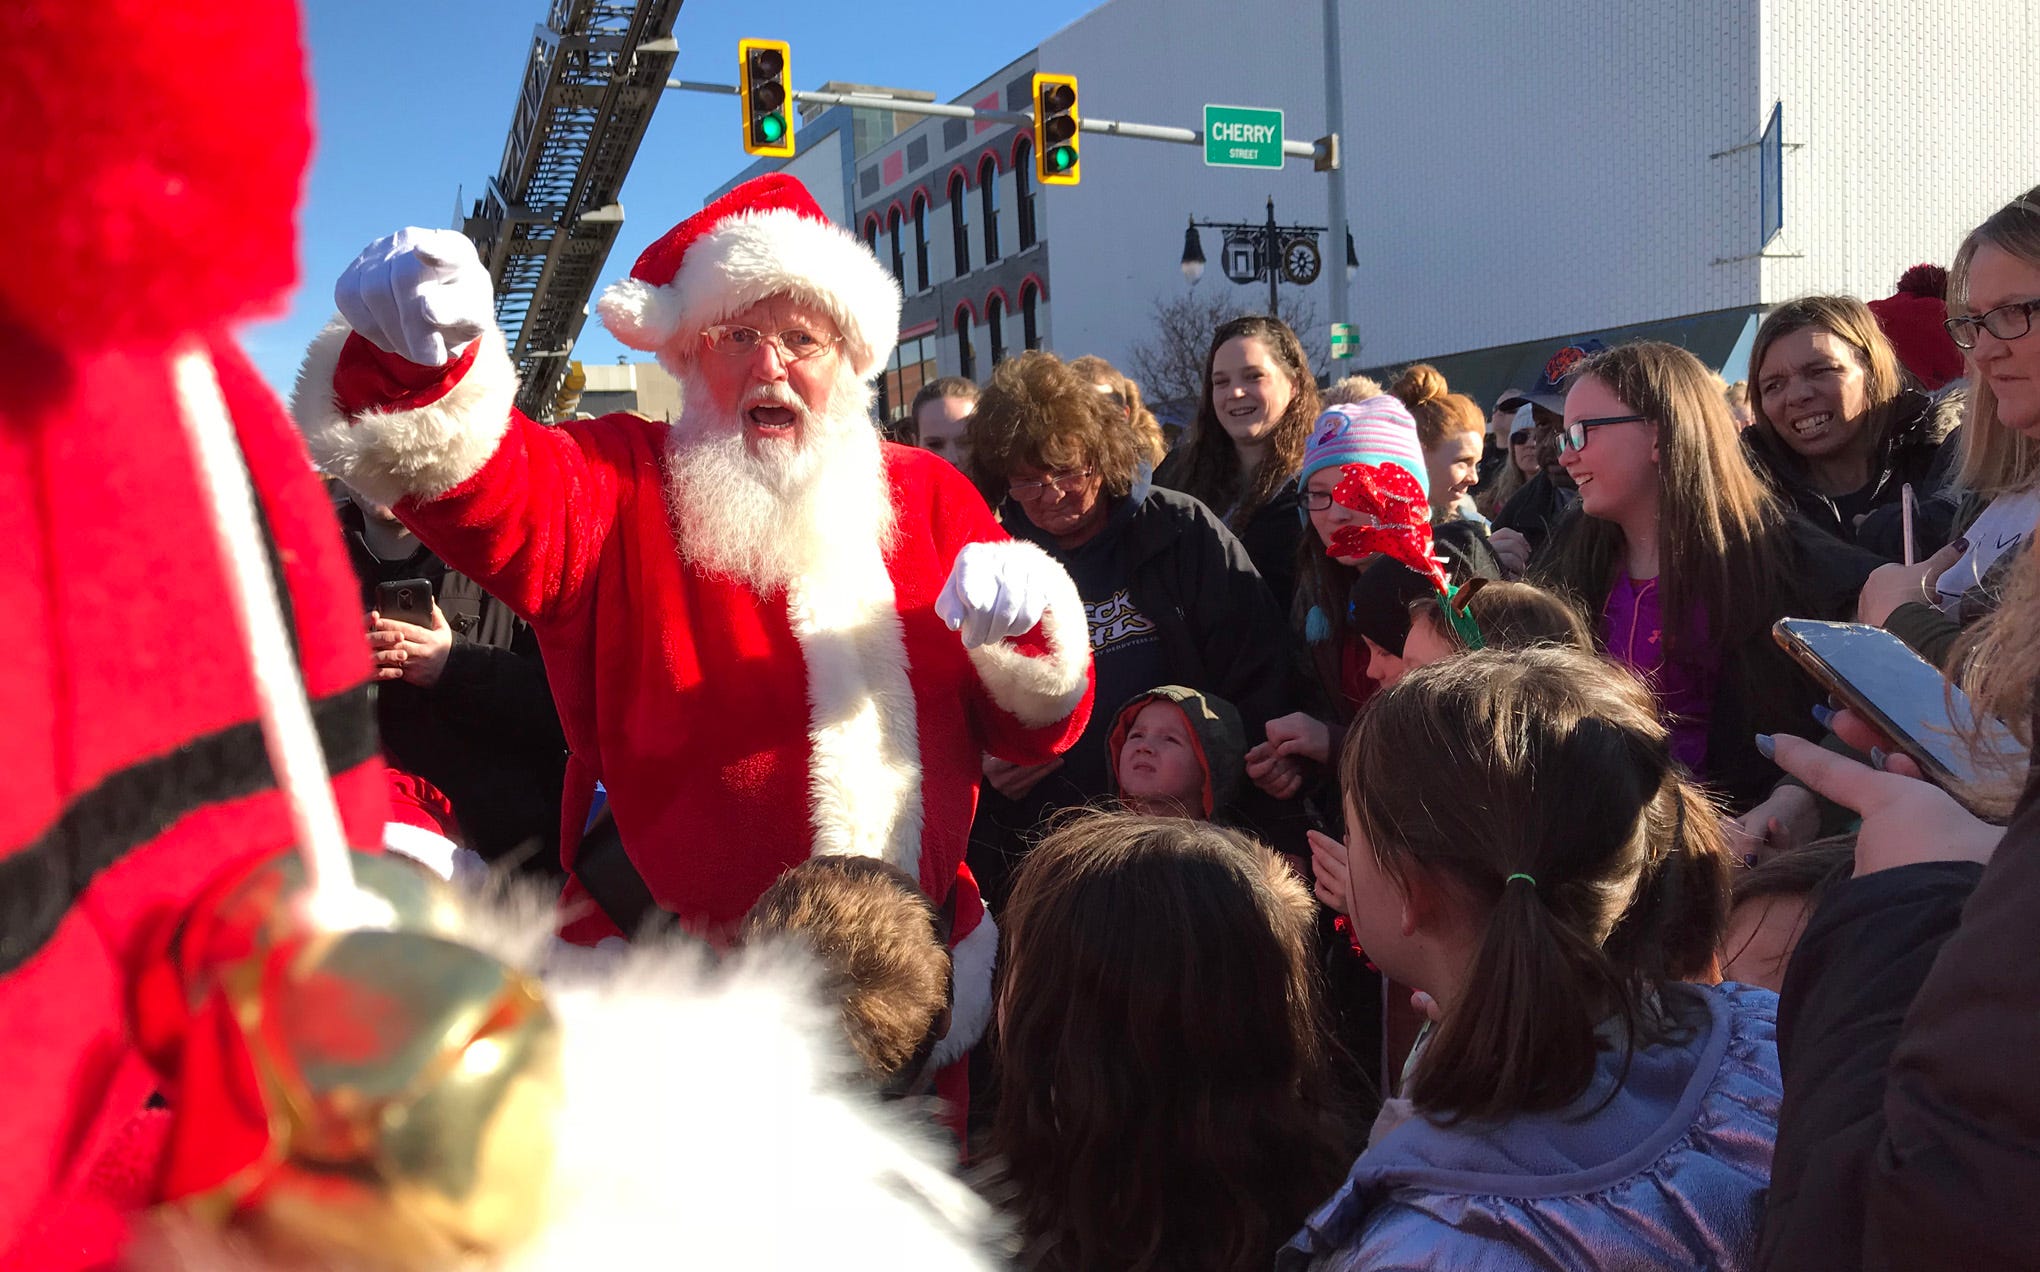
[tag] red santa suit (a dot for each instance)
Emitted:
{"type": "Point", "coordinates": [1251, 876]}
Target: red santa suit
{"type": "Point", "coordinates": [736, 731]}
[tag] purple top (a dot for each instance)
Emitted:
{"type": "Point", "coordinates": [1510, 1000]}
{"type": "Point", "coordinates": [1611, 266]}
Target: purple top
{"type": "Point", "coordinates": [1633, 632]}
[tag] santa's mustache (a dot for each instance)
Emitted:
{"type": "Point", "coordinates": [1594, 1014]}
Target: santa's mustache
{"type": "Point", "coordinates": [778, 395]}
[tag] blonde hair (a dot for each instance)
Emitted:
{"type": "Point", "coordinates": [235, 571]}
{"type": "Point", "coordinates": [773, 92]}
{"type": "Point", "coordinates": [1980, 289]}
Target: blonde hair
{"type": "Point", "coordinates": [1996, 460]}
{"type": "Point", "coordinates": [1351, 391]}
{"type": "Point", "coordinates": [1440, 413]}
{"type": "Point", "coordinates": [1147, 433]}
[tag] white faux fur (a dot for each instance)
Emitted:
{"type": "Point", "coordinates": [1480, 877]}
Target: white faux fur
{"type": "Point", "coordinates": [387, 455]}
{"type": "Point", "coordinates": [1039, 691]}
{"type": "Point", "coordinates": [970, 976]}
{"type": "Point", "coordinates": [755, 255]}
{"type": "Point", "coordinates": [864, 780]}
{"type": "Point", "coordinates": [710, 1122]}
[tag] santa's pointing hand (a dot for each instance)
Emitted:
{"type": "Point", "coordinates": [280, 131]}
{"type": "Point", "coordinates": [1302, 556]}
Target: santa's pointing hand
{"type": "Point", "coordinates": [992, 595]}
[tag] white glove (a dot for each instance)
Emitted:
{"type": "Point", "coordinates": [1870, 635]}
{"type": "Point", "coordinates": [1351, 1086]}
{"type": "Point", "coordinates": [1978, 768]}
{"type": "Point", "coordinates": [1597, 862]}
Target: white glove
{"type": "Point", "coordinates": [420, 294]}
{"type": "Point", "coordinates": [993, 593]}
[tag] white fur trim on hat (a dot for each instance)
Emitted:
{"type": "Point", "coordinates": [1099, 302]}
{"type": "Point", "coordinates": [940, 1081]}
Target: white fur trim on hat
{"type": "Point", "coordinates": [1039, 690]}
{"type": "Point", "coordinates": [756, 255]}
{"type": "Point", "coordinates": [426, 451]}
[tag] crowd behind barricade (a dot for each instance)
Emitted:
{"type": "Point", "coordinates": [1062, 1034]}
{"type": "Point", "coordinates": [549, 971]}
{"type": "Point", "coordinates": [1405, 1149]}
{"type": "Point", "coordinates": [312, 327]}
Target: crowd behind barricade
{"type": "Point", "coordinates": [1455, 869]}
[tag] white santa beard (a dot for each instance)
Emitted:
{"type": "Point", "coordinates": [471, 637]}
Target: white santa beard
{"type": "Point", "coordinates": [780, 510]}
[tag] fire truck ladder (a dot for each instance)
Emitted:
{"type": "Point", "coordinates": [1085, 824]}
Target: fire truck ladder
{"type": "Point", "coordinates": [550, 215]}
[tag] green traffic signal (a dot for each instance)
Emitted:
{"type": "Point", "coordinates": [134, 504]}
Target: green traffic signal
{"type": "Point", "coordinates": [1062, 158]}
{"type": "Point", "coordinates": [771, 127]}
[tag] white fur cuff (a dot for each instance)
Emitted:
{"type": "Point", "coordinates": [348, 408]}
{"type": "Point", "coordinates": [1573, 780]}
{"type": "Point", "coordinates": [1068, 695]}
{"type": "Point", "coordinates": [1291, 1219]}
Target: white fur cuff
{"type": "Point", "coordinates": [970, 975]}
{"type": "Point", "coordinates": [426, 451]}
{"type": "Point", "coordinates": [1040, 689]}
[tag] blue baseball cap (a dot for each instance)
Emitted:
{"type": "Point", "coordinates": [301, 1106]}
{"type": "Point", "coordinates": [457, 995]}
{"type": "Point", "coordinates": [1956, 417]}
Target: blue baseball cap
{"type": "Point", "coordinates": [1559, 373]}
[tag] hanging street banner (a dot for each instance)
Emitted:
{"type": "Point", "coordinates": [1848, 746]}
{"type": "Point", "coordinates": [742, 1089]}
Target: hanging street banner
{"type": "Point", "coordinates": [1242, 137]}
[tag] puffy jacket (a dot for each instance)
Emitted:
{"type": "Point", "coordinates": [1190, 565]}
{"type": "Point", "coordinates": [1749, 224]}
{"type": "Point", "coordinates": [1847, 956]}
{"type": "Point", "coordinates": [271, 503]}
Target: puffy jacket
{"type": "Point", "coordinates": [1669, 1172]}
{"type": "Point", "coordinates": [1915, 451]}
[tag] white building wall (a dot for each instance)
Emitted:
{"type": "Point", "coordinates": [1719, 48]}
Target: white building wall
{"type": "Point", "coordinates": [1916, 121]}
{"type": "Point", "coordinates": [1512, 171]}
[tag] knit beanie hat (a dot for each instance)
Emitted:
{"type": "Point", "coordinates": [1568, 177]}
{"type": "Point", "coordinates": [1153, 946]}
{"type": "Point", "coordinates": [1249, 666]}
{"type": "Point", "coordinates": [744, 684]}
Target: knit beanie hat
{"type": "Point", "coordinates": [1380, 430]}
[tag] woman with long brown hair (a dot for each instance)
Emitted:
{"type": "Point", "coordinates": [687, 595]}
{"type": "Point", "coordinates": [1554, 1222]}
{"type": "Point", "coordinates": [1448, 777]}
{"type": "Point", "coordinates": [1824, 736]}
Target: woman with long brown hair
{"type": "Point", "coordinates": [1681, 558]}
{"type": "Point", "coordinates": [1840, 431]}
{"type": "Point", "coordinates": [1161, 1072]}
{"type": "Point", "coordinates": [1246, 445]}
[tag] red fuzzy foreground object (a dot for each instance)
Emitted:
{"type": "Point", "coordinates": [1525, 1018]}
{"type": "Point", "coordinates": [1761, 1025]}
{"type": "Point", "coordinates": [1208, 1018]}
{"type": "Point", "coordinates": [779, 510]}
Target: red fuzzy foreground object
{"type": "Point", "coordinates": [136, 774]}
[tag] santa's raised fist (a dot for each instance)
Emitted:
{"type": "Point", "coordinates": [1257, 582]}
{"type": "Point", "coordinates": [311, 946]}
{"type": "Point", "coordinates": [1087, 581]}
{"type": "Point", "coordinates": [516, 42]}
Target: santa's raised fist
{"type": "Point", "coordinates": [420, 294]}
{"type": "Point", "coordinates": [995, 591]}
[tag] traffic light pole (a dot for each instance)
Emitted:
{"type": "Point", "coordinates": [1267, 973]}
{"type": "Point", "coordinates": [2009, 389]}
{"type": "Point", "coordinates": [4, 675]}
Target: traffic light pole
{"type": "Point", "coordinates": [1335, 124]}
{"type": "Point", "coordinates": [1117, 128]}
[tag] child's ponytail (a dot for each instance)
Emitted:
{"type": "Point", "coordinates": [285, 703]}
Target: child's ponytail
{"type": "Point", "coordinates": [1535, 788]}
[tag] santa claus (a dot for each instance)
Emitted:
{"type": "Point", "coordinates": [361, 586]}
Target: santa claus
{"type": "Point", "coordinates": [769, 633]}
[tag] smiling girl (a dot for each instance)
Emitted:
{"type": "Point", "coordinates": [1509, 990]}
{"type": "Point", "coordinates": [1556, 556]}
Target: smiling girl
{"type": "Point", "coordinates": [1681, 559]}
{"type": "Point", "coordinates": [1838, 430]}
{"type": "Point", "coordinates": [1243, 452]}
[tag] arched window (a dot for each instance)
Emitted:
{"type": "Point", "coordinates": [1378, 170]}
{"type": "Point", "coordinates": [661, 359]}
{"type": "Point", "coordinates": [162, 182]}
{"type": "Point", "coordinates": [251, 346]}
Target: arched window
{"type": "Point", "coordinates": [1030, 323]}
{"type": "Point", "coordinates": [988, 190]}
{"type": "Point", "coordinates": [995, 326]}
{"type": "Point", "coordinates": [920, 241]}
{"type": "Point", "coordinates": [1023, 193]}
{"type": "Point", "coordinates": [959, 223]}
{"type": "Point", "coordinates": [892, 226]}
{"type": "Point", "coordinates": [966, 357]}
{"type": "Point", "coordinates": [871, 234]}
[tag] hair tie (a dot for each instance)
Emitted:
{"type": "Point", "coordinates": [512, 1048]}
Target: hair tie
{"type": "Point", "coordinates": [1525, 878]}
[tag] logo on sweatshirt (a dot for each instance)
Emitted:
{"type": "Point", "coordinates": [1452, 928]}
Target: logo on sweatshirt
{"type": "Point", "coordinates": [1114, 621]}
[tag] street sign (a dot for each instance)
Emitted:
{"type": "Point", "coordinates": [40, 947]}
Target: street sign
{"type": "Point", "coordinates": [1242, 137]}
{"type": "Point", "coordinates": [1300, 261]}
{"type": "Point", "coordinates": [1241, 256]}
{"type": "Point", "coordinates": [1345, 340]}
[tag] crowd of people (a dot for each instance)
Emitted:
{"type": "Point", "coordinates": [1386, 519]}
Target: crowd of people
{"type": "Point", "coordinates": [1380, 830]}
{"type": "Point", "coordinates": [1420, 889]}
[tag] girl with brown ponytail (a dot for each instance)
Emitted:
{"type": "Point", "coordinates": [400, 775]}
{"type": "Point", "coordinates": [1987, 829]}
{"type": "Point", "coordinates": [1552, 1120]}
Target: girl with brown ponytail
{"type": "Point", "coordinates": [1524, 849]}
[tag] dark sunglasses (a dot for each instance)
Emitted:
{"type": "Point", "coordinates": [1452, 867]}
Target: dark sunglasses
{"type": "Point", "coordinates": [1523, 437]}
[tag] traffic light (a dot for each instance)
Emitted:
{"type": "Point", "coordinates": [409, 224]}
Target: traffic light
{"type": "Point", "coordinates": [1055, 129]}
{"type": "Point", "coordinates": [768, 108]}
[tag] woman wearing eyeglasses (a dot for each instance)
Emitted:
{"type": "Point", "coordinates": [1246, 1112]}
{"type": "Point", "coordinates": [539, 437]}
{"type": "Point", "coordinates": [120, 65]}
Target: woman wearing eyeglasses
{"type": "Point", "coordinates": [1838, 429]}
{"type": "Point", "coordinates": [1682, 558]}
{"type": "Point", "coordinates": [1171, 594]}
{"type": "Point", "coordinates": [1994, 297]}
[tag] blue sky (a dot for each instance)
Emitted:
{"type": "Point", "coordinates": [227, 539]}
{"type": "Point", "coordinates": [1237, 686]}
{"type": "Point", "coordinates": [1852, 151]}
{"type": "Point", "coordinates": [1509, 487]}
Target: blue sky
{"type": "Point", "coordinates": [413, 102]}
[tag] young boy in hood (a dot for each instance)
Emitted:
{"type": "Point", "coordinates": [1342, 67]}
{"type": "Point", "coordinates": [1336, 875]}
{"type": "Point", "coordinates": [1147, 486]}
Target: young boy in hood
{"type": "Point", "coordinates": [1176, 752]}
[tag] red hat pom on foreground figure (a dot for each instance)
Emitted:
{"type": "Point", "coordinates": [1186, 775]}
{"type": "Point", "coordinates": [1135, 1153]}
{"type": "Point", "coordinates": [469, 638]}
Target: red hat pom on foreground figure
{"type": "Point", "coordinates": [146, 850]}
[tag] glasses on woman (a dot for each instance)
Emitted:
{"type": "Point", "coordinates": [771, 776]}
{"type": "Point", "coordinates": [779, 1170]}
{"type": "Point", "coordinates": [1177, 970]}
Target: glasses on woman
{"type": "Point", "coordinates": [1523, 437]}
{"type": "Point", "coordinates": [1573, 436]}
{"type": "Point", "coordinates": [1066, 480]}
{"type": "Point", "coordinates": [2006, 322]}
{"type": "Point", "coordinates": [795, 344]}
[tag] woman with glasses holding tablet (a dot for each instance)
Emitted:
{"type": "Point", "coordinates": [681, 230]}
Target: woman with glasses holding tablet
{"type": "Point", "coordinates": [1171, 594]}
{"type": "Point", "coordinates": [1681, 558]}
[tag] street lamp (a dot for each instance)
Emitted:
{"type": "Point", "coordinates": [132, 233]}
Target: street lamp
{"type": "Point", "coordinates": [1352, 261]}
{"type": "Point", "coordinates": [1193, 255]}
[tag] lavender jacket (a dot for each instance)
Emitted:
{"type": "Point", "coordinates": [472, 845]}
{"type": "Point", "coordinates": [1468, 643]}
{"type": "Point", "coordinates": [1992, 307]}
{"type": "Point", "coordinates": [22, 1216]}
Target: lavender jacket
{"type": "Point", "coordinates": [1670, 1173]}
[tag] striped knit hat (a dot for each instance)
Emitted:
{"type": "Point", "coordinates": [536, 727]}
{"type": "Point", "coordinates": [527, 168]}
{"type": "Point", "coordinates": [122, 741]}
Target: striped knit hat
{"type": "Point", "coordinates": [1379, 430]}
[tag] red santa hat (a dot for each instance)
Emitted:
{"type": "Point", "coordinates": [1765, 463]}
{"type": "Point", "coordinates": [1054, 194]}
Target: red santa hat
{"type": "Point", "coordinates": [767, 237]}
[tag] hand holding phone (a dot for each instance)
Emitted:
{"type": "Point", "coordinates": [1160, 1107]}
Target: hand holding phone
{"type": "Point", "coordinates": [1873, 673]}
{"type": "Point", "coordinates": [405, 600]}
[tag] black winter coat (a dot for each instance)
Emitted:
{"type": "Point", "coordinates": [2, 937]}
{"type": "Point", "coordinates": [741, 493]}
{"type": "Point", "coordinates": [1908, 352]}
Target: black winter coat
{"type": "Point", "coordinates": [1909, 1033]}
{"type": "Point", "coordinates": [1759, 689]}
{"type": "Point", "coordinates": [1219, 631]}
{"type": "Point", "coordinates": [1916, 450]}
{"type": "Point", "coordinates": [1269, 535]}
